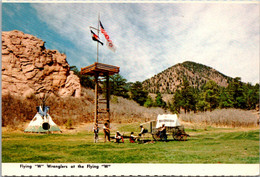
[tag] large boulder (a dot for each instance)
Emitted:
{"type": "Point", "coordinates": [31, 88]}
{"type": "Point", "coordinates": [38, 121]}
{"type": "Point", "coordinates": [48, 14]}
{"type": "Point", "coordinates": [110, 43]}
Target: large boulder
{"type": "Point", "coordinates": [28, 68]}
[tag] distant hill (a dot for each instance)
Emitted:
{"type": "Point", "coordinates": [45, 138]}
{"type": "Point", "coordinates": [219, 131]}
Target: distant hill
{"type": "Point", "coordinates": [197, 74]}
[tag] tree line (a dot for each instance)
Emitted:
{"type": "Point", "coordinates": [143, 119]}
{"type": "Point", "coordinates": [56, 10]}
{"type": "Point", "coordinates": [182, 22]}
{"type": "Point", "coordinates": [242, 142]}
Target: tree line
{"type": "Point", "coordinates": [208, 97]}
{"type": "Point", "coordinates": [211, 96]}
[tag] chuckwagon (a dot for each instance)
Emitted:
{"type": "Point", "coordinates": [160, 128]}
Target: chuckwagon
{"type": "Point", "coordinates": [173, 127]}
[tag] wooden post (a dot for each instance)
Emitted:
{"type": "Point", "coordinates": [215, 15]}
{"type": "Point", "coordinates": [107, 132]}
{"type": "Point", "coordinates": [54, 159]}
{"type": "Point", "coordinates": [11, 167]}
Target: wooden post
{"type": "Point", "coordinates": [107, 98]}
{"type": "Point", "coordinates": [96, 99]}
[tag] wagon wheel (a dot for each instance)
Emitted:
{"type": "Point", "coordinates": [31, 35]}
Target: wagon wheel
{"type": "Point", "coordinates": [185, 137]}
{"type": "Point", "coordinates": [176, 136]}
{"type": "Point", "coordinates": [156, 137]}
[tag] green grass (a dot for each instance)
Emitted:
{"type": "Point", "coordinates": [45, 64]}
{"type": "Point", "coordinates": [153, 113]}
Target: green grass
{"type": "Point", "coordinates": [211, 146]}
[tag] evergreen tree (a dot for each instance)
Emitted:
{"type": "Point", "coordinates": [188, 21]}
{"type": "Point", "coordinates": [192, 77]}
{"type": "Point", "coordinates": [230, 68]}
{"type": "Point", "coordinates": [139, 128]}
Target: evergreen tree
{"type": "Point", "coordinates": [137, 93]}
{"type": "Point", "coordinates": [251, 94]}
{"type": "Point", "coordinates": [211, 95]}
{"type": "Point", "coordinates": [236, 91]}
{"type": "Point", "coordinates": [149, 102]}
{"type": "Point", "coordinates": [188, 101]}
{"type": "Point", "coordinates": [85, 81]}
{"type": "Point", "coordinates": [159, 101]}
{"type": "Point", "coordinates": [202, 105]}
{"type": "Point", "coordinates": [184, 98]}
{"type": "Point", "coordinates": [118, 86]}
{"type": "Point", "coordinates": [177, 98]}
{"type": "Point", "coordinates": [255, 97]}
{"type": "Point", "coordinates": [225, 100]}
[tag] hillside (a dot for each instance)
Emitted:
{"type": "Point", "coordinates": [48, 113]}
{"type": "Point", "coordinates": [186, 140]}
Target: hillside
{"type": "Point", "coordinates": [17, 111]}
{"type": "Point", "coordinates": [197, 74]}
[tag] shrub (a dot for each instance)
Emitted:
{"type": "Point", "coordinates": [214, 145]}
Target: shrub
{"type": "Point", "coordinates": [70, 111]}
{"type": "Point", "coordinates": [16, 110]}
{"type": "Point", "coordinates": [114, 99]}
{"type": "Point", "coordinates": [223, 117]}
{"type": "Point", "coordinates": [69, 124]}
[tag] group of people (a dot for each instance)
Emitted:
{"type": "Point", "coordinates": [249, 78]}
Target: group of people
{"type": "Point", "coordinates": [106, 131]}
{"type": "Point", "coordinates": [119, 137]}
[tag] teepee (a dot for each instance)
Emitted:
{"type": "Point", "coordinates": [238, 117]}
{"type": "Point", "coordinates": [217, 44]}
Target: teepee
{"type": "Point", "coordinates": [42, 122]}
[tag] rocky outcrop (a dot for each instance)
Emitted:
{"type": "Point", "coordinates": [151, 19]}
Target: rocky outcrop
{"type": "Point", "coordinates": [28, 68]}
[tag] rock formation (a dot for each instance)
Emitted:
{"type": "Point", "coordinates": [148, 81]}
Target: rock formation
{"type": "Point", "coordinates": [28, 68]}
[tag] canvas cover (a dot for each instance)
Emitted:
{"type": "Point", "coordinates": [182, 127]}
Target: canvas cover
{"type": "Point", "coordinates": [36, 123]}
{"type": "Point", "coordinates": [170, 120]}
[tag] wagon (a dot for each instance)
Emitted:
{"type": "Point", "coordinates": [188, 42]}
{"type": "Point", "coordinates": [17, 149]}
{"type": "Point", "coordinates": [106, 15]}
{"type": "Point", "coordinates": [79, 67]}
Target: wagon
{"type": "Point", "coordinates": [173, 128]}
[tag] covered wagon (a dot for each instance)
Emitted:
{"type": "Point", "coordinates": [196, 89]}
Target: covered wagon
{"type": "Point", "coordinates": [172, 125]}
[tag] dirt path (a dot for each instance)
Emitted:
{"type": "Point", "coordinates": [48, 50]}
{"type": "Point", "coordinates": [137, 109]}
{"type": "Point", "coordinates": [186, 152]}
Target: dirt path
{"type": "Point", "coordinates": [88, 127]}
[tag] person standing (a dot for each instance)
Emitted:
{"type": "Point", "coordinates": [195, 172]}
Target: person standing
{"type": "Point", "coordinates": [96, 130]}
{"type": "Point", "coordinates": [106, 132]}
{"type": "Point", "coordinates": [142, 132]}
{"type": "Point", "coordinates": [162, 133]}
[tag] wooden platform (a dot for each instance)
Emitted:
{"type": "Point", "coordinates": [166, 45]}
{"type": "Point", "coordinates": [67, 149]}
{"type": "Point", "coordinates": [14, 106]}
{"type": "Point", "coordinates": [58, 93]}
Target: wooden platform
{"type": "Point", "coordinates": [100, 68]}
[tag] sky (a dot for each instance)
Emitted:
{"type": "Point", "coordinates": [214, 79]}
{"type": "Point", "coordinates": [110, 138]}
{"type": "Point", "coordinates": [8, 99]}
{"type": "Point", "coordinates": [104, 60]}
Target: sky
{"type": "Point", "coordinates": [149, 37]}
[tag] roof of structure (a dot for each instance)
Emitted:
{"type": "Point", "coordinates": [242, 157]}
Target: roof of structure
{"type": "Point", "coordinates": [100, 68]}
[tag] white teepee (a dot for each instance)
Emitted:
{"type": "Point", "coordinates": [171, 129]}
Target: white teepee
{"type": "Point", "coordinates": [37, 123]}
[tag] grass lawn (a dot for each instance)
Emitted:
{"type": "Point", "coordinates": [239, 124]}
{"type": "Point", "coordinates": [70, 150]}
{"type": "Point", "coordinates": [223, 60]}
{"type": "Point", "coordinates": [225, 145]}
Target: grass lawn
{"type": "Point", "coordinates": [212, 146]}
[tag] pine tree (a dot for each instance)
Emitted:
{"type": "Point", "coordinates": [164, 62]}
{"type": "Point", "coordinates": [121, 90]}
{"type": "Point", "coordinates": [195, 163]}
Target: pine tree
{"type": "Point", "coordinates": [188, 101]}
{"type": "Point", "coordinates": [85, 81]}
{"type": "Point", "coordinates": [149, 102]}
{"type": "Point", "coordinates": [118, 86]}
{"type": "Point", "coordinates": [159, 101]}
{"type": "Point", "coordinates": [211, 95]}
{"type": "Point", "coordinates": [138, 94]}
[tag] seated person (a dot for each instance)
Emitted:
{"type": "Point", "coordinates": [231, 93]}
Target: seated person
{"type": "Point", "coordinates": [118, 137]}
{"type": "Point", "coordinates": [132, 138]}
{"type": "Point", "coordinates": [143, 130]}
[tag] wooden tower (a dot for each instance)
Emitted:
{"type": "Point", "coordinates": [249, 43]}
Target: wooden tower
{"type": "Point", "coordinates": [101, 73]}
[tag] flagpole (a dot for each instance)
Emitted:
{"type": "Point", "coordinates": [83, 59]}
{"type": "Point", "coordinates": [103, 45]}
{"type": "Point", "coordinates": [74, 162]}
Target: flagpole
{"type": "Point", "coordinates": [98, 35]}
